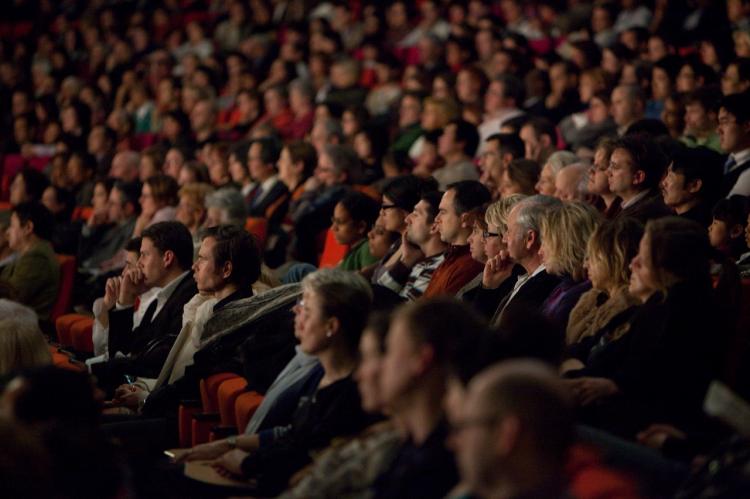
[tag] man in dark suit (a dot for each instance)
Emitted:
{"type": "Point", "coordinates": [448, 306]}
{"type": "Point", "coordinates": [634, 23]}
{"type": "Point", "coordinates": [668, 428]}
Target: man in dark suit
{"type": "Point", "coordinates": [261, 161]}
{"type": "Point", "coordinates": [734, 138]}
{"type": "Point", "coordinates": [635, 170]}
{"type": "Point", "coordinates": [523, 240]}
{"type": "Point", "coordinates": [165, 261]}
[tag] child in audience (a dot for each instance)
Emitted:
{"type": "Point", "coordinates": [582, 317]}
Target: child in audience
{"type": "Point", "coordinates": [353, 217]}
{"type": "Point", "coordinates": [727, 230]}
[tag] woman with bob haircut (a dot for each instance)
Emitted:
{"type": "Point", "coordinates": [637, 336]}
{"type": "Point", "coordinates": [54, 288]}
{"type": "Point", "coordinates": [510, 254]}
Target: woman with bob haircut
{"type": "Point", "coordinates": [564, 234]}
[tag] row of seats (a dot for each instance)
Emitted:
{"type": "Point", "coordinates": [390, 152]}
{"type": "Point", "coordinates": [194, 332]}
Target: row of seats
{"type": "Point", "coordinates": [224, 409]}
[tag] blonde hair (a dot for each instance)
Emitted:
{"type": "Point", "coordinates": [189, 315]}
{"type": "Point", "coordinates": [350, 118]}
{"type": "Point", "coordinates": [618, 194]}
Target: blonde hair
{"type": "Point", "coordinates": [196, 192]}
{"type": "Point", "coordinates": [22, 346]}
{"type": "Point", "coordinates": [447, 109]}
{"type": "Point", "coordinates": [565, 232]}
{"type": "Point", "coordinates": [497, 213]}
{"type": "Point", "coordinates": [613, 245]}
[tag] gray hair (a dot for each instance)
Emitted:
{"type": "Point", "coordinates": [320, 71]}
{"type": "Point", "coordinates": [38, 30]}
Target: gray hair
{"type": "Point", "coordinates": [559, 159]}
{"type": "Point", "coordinates": [345, 295]}
{"type": "Point", "coordinates": [303, 87]}
{"type": "Point", "coordinates": [582, 187]}
{"type": "Point", "coordinates": [231, 202]}
{"type": "Point", "coordinates": [345, 160]}
{"type": "Point", "coordinates": [532, 209]}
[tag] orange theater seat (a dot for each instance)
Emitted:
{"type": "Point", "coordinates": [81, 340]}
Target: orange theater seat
{"type": "Point", "coordinates": [81, 334]}
{"type": "Point", "coordinates": [333, 252]}
{"type": "Point", "coordinates": [82, 212]}
{"type": "Point", "coordinates": [63, 361]}
{"type": "Point", "coordinates": [64, 293]}
{"type": "Point", "coordinates": [244, 408]}
{"type": "Point", "coordinates": [63, 325]}
{"type": "Point", "coordinates": [209, 390]}
{"type": "Point", "coordinates": [257, 226]}
{"type": "Point", "coordinates": [229, 390]}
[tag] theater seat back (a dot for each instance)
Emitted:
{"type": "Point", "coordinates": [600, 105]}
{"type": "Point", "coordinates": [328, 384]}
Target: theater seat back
{"type": "Point", "coordinates": [65, 291]}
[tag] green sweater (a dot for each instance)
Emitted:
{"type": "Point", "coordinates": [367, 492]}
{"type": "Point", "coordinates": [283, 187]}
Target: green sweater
{"type": "Point", "coordinates": [35, 277]}
{"type": "Point", "coordinates": [358, 257]}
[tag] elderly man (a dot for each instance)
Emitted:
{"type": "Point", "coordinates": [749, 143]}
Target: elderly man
{"type": "Point", "coordinates": [523, 240]}
{"type": "Point", "coordinates": [628, 106]}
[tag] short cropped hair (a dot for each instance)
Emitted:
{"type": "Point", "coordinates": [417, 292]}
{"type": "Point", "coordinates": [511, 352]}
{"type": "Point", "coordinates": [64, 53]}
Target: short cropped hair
{"type": "Point", "coordinates": [174, 237]}
{"type": "Point", "coordinates": [646, 156]}
{"type": "Point", "coordinates": [469, 195]}
{"type": "Point", "coordinates": [41, 218]}
{"type": "Point", "coordinates": [510, 143]}
{"type": "Point", "coordinates": [467, 134]}
{"type": "Point", "coordinates": [738, 105]}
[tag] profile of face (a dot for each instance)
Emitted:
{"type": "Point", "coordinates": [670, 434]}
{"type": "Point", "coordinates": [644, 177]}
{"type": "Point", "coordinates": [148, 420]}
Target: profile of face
{"type": "Point", "coordinates": [208, 277]}
{"type": "Point", "coordinates": [369, 371]}
{"type": "Point", "coordinates": [515, 238]}
{"type": "Point", "coordinates": [546, 183]}
{"type": "Point", "coordinates": [391, 216]}
{"type": "Point", "coordinates": [345, 230]}
{"type": "Point", "coordinates": [643, 281]}
{"type": "Point", "coordinates": [401, 366]}
{"type": "Point", "coordinates": [732, 135]}
{"type": "Point", "coordinates": [449, 222]}
{"type": "Point", "coordinates": [472, 441]}
{"type": "Point", "coordinates": [18, 192]}
{"type": "Point", "coordinates": [621, 174]}
{"type": "Point", "coordinates": [149, 205]}
{"type": "Point", "coordinates": [493, 241]}
{"type": "Point", "coordinates": [379, 241]}
{"type": "Point", "coordinates": [153, 263]}
{"type": "Point", "coordinates": [675, 190]}
{"type": "Point", "coordinates": [17, 233]}
{"type": "Point", "coordinates": [310, 324]}
{"type": "Point", "coordinates": [596, 271]}
{"type": "Point", "coordinates": [476, 244]}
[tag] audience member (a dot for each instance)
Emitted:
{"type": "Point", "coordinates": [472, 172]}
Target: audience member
{"type": "Point", "coordinates": [548, 174]}
{"type": "Point", "coordinates": [692, 183]}
{"type": "Point", "coordinates": [734, 138]}
{"type": "Point", "coordinates": [635, 169]}
{"type": "Point", "coordinates": [34, 276]}
{"type": "Point", "coordinates": [455, 222]}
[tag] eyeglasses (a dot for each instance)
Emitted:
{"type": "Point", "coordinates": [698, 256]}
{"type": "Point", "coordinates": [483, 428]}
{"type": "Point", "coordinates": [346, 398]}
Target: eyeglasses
{"type": "Point", "coordinates": [459, 426]}
{"type": "Point", "coordinates": [487, 235]}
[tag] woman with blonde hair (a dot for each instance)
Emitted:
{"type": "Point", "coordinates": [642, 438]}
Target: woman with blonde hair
{"type": "Point", "coordinates": [565, 231]}
{"type": "Point", "coordinates": [606, 308]}
{"type": "Point", "coordinates": [485, 299]}
{"type": "Point", "coordinates": [22, 344]}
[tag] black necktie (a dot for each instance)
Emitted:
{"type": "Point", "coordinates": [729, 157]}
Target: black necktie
{"type": "Point", "coordinates": [149, 315]}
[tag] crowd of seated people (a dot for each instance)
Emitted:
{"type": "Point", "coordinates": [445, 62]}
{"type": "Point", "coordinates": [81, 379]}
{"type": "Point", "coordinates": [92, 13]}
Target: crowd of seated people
{"type": "Point", "coordinates": [443, 248]}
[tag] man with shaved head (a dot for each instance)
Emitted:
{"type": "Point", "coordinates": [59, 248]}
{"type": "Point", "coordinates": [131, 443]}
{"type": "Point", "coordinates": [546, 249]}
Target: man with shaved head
{"type": "Point", "coordinates": [513, 435]}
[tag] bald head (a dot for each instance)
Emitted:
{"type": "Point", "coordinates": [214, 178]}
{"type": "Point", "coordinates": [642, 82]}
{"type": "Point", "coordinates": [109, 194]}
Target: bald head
{"type": "Point", "coordinates": [518, 428]}
{"type": "Point", "coordinates": [570, 182]}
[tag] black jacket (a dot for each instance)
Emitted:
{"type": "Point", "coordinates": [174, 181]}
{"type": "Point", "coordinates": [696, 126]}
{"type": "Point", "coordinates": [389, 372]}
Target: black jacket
{"type": "Point", "coordinates": [647, 208]}
{"type": "Point", "coordinates": [532, 294]}
{"type": "Point", "coordinates": [150, 342]}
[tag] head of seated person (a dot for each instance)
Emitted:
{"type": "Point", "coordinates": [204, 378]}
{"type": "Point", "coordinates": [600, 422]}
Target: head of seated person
{"type": "Point", "coordinates": [458, 210]}
{"type": "Point", "coordinates": [672, 251]}
{"type": "Point", "coordinates": [337, 164]}
{"type": "Point", "coordinates": [727, 230]}
{"type": "Point", "coordinates": [22, 344]}
{"type": "Point", "coordinates": [636, 165]}
{"type": "Point", "coordinates": [514, 431]}
{"type": "Point", "coordinates": [420, 345]}
{"type": "Point", "coordinates": [609, 251]}
{"type": "Point", "coordinates": [353, 217]}
{"type": "Point", "coordinates": [565, 231]}
{"type": "Point", "coordinates": [400, 195]}
{"type": "Point", "coordinates": [30, 224]}
{"type": "Point", "coordinates": [225, 206]}
{"type": "Point", "coordinates": [166, 252]}
{"type": "Point", "coordinates": [228, 261]}
{"type": "Point", "coordinates": [158, 192]}
{"type": "Point", "coordinates": [693, 178]}
{"type": "Point", "coordinates": [371, 355]}
{"type": "Point", "coordinates": [28, 185]}
{"type": "Point", "coordinates": [123, 202]}
{"type": "Point", "coordinates": [523, 237]}
{"type": "Point", "coordinates": [330, 316]}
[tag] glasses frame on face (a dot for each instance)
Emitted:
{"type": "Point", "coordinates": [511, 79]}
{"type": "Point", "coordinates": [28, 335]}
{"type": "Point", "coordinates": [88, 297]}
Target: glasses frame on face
{"type": "Point", "coordinates": [487, 234]}
{"type": "Point", "coordinates": [466, 423]}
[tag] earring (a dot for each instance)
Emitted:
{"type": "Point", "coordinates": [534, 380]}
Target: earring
{"type": "Point", "coordinates": [329, 333]}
